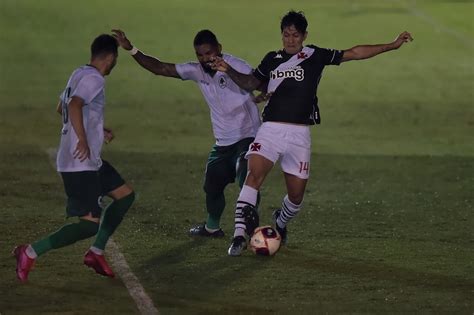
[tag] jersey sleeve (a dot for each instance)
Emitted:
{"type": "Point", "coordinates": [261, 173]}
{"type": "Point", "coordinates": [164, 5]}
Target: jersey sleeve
{"type": "Point", "coordinates": [241, 66]}
{"type": "Point", "coordinates": [188, 71]}
{"type": "Point", "coordinates": [88, 88]}
{"type": "Point", "coordinates": [262, 72]}
{"type": "Point", "coordinates": [331, 56]}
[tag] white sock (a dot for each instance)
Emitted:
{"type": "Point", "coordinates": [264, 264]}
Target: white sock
{"type": "Point", "coordinates": [30, 252]}
{"type": "Point", "coordinates": [288, 211]}
{"type": "Point", "coordinates": [97, 251]}
{"type": "Point", "coordinates": [248, 197]}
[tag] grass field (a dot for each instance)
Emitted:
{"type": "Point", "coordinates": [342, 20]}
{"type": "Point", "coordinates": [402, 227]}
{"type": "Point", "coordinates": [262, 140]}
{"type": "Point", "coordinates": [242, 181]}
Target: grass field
{"type": "Point", "coordinates": [387, 225]}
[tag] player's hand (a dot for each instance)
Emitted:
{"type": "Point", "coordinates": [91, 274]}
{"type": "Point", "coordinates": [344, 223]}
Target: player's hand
{"type": "Point", "coordinates": [262, 97]}
{"type": "Point", "coordinates": [122, 39]}
{"type": "Point", "coordinates": [404, 37]}
{"type": "Point", "coordinates": [218, 64]}
{"type": "Point", "coordinates": [108, 135]}
{"type": "Point", "coordinates": [82, 151]}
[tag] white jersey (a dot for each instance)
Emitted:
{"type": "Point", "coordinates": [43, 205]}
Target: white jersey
{"type": "Point", "coordinates": [234, 115]}
{"type": "Point", "coordinates": [87, 83]}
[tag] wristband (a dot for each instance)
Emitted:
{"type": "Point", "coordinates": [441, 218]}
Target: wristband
{"type": "Point", "coordinates": [133, 51]}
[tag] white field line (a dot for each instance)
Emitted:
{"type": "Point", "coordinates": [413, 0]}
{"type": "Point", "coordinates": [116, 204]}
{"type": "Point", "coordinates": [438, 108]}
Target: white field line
{"type": "Point", "coordinates": [135, 289]}
{"type": "Point", "coordinates": [440, 28]}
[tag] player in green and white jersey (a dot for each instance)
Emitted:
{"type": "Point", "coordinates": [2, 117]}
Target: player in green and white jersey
{"type": "Point", "coordinates": [234, 117]}
{"type": "Point", "coordinates": [85, 175]}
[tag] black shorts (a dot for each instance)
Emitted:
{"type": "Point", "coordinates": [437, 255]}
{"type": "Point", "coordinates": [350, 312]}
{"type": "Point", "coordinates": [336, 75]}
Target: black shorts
{"type": "Point", "coordinates": [224, 164]}
{"type": "Point", "coordinates": [85, 189]}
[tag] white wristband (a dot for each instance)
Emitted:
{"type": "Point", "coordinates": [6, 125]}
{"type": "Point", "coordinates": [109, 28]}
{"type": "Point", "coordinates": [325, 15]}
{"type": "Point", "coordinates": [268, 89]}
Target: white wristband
{"type": "Point", "coordinates": [133, 51]}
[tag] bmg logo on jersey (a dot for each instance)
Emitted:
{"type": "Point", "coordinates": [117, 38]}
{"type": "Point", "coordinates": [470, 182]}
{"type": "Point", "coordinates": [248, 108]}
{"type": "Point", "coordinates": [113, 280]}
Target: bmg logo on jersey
{"type": "Point", "coordinates": [296, 73]}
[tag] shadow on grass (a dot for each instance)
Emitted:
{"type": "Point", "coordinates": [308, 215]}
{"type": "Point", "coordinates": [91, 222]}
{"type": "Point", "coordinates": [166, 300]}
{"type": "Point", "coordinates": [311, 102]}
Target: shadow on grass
{"type": "Point", "coordinates": [184, 281]}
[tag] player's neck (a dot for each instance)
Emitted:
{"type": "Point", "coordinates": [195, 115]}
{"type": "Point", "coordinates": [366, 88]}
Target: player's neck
{"type": "Point", "coordinates": [99, 66]}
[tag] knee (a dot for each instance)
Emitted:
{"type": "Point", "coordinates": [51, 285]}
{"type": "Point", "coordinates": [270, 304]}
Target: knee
{"type": "Point", "coordinates": [213, 194]}
{"type": "Point", "coordinates": [88, 227]}
{"type": "Point", "coordinates": [129, 199]}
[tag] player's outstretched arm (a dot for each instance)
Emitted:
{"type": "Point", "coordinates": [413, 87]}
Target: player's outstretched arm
{"type": "Point", "coordinates": [368, 51]}
{"type": "Point", "coordinates": [245, 81]}
{"type": "Point", "coordinates": [150, 63]}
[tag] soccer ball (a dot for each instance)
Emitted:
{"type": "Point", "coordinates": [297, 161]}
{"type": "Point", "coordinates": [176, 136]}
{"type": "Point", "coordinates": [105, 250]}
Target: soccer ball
{"type": "Point", "coordinates": [265, 241]}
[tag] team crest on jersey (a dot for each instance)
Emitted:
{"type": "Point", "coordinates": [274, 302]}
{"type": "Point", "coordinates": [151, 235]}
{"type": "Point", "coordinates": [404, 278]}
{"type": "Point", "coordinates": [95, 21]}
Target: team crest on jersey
{"type": "Point", "coordinates": [296, 73]}
{"type": "Point", "coordinates": [255, 147]}
{"type": "Point", "coordinates": [222, 82]}
{"type": "Point", "coordinates": [302, 55]}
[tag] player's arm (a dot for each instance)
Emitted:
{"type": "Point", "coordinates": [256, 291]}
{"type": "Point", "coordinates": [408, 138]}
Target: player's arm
{"type": "Point", "coordinates": [150, 63]}
{"type": "Point", "coordinates": [247, 82]}
{"type": "Point", "coordinates": [82, 151]}
{"type": "Point", "coordinates": [368, 51]}
{"type": "Point", "coordinates": [264, 95]}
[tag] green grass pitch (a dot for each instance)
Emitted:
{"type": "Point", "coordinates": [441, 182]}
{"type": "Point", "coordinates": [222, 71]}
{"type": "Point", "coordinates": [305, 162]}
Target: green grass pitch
{"type": "Point", "coordinates": [387, 225]}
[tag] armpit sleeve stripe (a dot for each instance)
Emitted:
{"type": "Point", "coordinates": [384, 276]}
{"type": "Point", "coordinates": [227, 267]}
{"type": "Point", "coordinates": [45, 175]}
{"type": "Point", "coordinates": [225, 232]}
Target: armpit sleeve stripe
{"type": "Point", "coordinates": [333, 55]}
{"type": "Point", "coordinates": [260, 72]}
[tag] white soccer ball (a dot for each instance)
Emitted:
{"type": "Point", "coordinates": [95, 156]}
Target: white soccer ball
{"type": "Point", "coordinates": [265, 241]}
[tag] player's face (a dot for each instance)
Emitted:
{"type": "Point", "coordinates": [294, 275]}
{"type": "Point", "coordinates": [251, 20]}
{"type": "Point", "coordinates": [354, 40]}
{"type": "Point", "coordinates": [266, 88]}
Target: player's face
{"type": "Point", "coordinates": [205, 54]}
{"type": "Point", "coordinates": [292, 40]}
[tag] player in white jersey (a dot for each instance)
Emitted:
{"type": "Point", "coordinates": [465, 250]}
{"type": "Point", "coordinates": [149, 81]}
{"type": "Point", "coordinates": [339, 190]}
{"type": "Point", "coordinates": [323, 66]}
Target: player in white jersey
{"type": "Point", "coordinates": [293, 74]}
{"type": "Point", "coordinates": [234, 116]}
{"type": "Point", "coordinates": [85, 175]}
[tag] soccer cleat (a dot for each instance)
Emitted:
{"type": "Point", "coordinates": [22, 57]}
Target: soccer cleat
{"type": "Point", "coordinates": [237, 246]}
{"type": "Point", "coordinates": [24, 264]}
{"type": "Point", "coordinates": [250, 215]}
{"type": "Point", "coordinates": [281, 231]}
{"type": "Point", "coordinates": [200, 230]}
{"type": "Point", "coordinates": [98, 263]}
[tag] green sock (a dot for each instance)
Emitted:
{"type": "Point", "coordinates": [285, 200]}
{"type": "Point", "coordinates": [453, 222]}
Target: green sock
{"type": "Point", "coordinates": [67, 235]}
{"type": "Point", "coordinates": [215, 203]}
{"type": "Point", "coordinates": [112, 217]}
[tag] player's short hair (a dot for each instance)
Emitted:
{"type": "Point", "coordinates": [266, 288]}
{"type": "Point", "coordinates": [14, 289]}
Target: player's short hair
{"type": "Point", "coordinates": [104, 44]}
{"type": "Point", "coordinates": [205, 37]}
{"type": "Point", "coordinates": [294, 18]}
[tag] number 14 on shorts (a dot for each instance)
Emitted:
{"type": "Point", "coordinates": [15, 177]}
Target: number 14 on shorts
{"type": "Point", "coordinates": [304, 167]}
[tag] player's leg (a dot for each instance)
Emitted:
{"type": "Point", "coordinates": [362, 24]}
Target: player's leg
{"type": "Point", "coordinates": [246, 216]}
{"type": "Point", "coordinates": [295, 162]}
{"type": "Point", "coordinates": [241, 164]}
{"type": "Point", "coordinates": [219, 173]}
{"type": "Point", "coordinates": [262, 155]}
{"type": "Point", "coordinates": [290, 205]}
{"type": "Point", "coordinates": [123, 196]}
{"type": "Point", "coordinates": [83, 191]}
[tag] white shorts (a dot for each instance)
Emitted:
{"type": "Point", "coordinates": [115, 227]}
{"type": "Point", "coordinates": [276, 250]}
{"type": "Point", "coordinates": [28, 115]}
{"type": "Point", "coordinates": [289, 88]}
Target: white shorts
{"type": "Point", "coordinates": [287, 142]}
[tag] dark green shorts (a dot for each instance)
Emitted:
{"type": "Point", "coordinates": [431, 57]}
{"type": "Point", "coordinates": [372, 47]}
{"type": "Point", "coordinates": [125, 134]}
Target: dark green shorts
{"type": "Point", "coordinates": [85, 189]}
{"type": "Point", "coordinates": [224, 164]}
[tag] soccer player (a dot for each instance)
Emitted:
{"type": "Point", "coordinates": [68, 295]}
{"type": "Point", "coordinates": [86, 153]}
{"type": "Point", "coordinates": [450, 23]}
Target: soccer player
{"type": "Point", "coordinates": [293, 75]}
{"type": "Point", "coordinates": [85, 175]}
{"type": "Point", "coordinates": [234, 117]}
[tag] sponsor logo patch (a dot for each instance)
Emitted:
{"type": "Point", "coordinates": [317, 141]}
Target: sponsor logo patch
{"type": "Point", "coordinates": [296, 73]}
